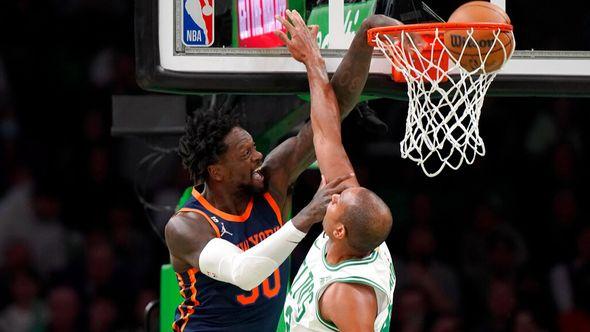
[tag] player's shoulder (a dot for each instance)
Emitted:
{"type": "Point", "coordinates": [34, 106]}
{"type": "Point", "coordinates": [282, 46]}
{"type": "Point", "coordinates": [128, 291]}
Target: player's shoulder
{"type": "Point", "coordinates": [349, 304]}
{"type": "Point", "coordinates": [341, 291]}
{"type": "Point", "coordinates": [184, 217]}
{"type": "Point", "coordinates": [186, 224]}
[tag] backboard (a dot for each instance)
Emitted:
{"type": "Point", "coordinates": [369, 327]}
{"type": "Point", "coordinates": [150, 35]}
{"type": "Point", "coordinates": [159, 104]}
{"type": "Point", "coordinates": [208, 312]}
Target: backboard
{"type": "Point", "coordinates": [236, 51]}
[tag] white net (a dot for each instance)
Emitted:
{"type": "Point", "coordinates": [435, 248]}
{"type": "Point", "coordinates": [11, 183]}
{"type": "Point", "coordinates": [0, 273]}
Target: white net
{"type": "Point", "coordinates": [445, 99]}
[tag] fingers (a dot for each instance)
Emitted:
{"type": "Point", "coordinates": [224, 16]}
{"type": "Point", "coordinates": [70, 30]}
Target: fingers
{"type": "Point", "coordinates": [285, 22]}
{"type": "Point", "coordinates": [296, 17]}
{"type": "Point", "coordinates": [339, 180]}
{"type": "Point", "coordinates": [337, 190]}
{"type": "Point", "coordinates": [293, 21]}
{"type": "Point", "coordinates": [314, 30]}
{"type": "Point", "coordinates": [291, 17]}
{"type": "Point", "coordinates": [282, 36]}
{"type": "Point", "coordinates": [323, 182]}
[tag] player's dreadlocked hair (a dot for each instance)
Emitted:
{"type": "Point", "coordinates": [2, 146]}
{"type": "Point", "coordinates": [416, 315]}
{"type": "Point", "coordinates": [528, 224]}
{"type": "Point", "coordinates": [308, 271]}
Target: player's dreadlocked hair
{"type": "Point", "coordinates": [202, 142]}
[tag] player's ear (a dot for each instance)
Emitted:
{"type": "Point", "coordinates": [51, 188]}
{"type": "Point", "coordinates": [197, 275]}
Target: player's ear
{"type": "Point", "coordinates": [215, 172]}
{"type": "Point", "coordinates": [339, 231]}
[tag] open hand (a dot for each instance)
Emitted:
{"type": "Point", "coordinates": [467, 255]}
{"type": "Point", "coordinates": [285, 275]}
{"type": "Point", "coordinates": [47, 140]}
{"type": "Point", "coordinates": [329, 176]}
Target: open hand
{"type": "Point", "coordinates": [315, 211]}
{"type": "Point", "coordinates": [303, 43]}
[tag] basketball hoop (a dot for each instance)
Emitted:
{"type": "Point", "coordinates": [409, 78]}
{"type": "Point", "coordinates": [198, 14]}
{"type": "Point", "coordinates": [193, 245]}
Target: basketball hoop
{"type": "Point", "coordinates": [448, 68]}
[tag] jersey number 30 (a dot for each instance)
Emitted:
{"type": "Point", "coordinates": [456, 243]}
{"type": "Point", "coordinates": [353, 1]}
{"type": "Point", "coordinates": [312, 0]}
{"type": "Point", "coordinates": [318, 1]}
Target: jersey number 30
{"type": "Point", "coordinates": [268, 291]}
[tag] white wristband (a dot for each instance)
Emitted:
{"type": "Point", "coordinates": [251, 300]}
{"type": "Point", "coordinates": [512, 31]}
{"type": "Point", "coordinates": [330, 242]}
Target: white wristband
{"type": "Point", "coordinates": [223, 261]}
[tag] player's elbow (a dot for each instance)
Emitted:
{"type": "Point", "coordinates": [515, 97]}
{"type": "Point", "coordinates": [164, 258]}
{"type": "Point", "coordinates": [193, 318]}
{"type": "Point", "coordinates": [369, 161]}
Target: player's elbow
{"type": "Point", "coordinates": [249, 272]}
{"type": "Point", "coordinates": [225, 262]}
{"type": "Point", "coordinates": [247, 283]}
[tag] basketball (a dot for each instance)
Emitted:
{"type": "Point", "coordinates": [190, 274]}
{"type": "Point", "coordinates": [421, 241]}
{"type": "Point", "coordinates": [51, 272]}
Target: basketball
{"type": "Point", "coordinates": [483, 42]}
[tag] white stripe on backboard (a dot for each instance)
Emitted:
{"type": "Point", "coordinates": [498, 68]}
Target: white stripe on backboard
{"type": "Point", "coordinates": [336, 24]}
{"type": "Point", "coordinates": [499, 3]}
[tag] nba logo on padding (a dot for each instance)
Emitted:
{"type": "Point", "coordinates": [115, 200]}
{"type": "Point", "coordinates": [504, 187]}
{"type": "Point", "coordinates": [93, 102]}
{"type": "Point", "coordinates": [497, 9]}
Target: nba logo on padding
{"type": "Point", "coordinates": [197, 23]}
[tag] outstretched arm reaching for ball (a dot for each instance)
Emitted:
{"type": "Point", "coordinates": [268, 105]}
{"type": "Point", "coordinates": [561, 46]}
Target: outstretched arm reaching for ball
{"type": "Point", "coordinates": [325, 112]}
{"type": "Point", "coordinates": [284, 164]}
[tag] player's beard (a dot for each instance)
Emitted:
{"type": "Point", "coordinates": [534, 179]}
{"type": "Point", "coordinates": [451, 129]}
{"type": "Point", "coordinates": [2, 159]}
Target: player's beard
{"type": "Point", "coordinates": [251, 188]}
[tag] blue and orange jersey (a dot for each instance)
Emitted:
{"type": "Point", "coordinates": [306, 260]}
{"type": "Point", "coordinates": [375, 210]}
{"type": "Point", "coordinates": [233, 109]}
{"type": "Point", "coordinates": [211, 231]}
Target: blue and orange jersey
{"type": "Point", "coordinates": [211, 305]}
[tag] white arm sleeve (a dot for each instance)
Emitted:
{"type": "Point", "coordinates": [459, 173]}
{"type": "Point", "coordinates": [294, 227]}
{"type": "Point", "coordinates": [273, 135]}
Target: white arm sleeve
{"type": "Point", "coordinates": [223, 261]}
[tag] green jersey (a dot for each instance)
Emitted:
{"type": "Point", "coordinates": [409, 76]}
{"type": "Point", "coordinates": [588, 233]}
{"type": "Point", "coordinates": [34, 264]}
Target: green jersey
{"type": "Point", "coordinates": [301, 310]}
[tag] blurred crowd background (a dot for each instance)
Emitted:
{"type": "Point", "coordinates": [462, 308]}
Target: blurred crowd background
{"type": "Point", "coordinates": [501, 245]}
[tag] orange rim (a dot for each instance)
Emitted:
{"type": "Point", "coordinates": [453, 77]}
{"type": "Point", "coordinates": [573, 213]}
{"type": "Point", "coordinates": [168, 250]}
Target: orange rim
{"type": "Point", "coordinates": [432, 27]}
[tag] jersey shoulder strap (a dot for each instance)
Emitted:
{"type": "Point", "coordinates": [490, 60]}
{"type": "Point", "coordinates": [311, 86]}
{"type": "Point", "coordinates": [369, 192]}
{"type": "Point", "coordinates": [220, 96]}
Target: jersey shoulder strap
{"type": "Point", "coordinates": [207, 218]}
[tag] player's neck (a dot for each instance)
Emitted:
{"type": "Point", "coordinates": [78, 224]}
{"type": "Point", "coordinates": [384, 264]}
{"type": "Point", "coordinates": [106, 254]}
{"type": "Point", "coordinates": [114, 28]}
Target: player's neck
{"type": "Point", "coordinates": [229, 200]}
{"type": "Point", "coordinates": [337, 252]}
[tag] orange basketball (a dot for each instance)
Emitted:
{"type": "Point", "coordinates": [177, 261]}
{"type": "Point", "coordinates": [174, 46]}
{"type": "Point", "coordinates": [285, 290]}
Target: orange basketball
{"type": "Point", "coordinates": [481, 12]}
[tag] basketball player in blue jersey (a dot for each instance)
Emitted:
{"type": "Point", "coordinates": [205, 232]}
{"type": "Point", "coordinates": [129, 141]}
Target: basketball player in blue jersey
{"type": "Point", "coordinates": [229, 243]}
{"type": "Point", "coordinates": [346, 281]}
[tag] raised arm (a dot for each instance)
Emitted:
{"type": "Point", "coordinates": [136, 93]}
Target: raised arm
{"type": "Point", "coordinates": [325, 112]}
{"type": "Point", "coordinates": [286, 162]}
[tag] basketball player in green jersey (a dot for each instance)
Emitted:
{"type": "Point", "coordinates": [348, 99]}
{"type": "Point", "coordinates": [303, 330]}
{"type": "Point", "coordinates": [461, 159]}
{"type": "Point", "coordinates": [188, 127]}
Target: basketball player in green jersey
{"type": "Point", "coordinates": [347, 280]}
